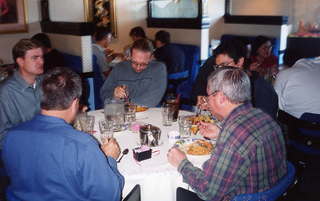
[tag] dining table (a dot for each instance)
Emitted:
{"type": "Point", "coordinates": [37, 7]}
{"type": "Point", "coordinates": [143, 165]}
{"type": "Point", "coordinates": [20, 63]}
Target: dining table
{"type": "Point", "coordinates": [157, 178]}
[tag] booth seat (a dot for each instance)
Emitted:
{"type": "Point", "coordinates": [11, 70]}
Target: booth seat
{"type": "Point", "coordinates": [249, 40]}
{"type": "Point", "coordinates": [93, 80]}
{"type": "Point", "coordinates": [192, 63]}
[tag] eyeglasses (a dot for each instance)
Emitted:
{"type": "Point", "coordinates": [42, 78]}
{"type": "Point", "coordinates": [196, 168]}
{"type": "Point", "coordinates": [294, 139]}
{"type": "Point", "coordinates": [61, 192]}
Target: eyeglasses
{"type": "Point", "coordinates": [139, 64]}
{"type": "Point", "coordinates": [213, 93]}
{"type": "Point", "coordinates": [222, 64]}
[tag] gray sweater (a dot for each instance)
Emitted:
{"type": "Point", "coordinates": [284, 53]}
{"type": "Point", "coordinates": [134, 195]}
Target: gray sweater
{"type": "Point", "coordinates": [145, 88]}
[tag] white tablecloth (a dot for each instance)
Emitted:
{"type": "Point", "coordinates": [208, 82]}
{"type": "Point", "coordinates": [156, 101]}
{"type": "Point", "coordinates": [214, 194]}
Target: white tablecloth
{"type": "Point", "coordinates": [157, 178]}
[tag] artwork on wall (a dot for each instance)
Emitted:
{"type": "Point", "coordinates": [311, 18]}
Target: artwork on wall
{"type": "Point", "coordinates": [102, 13]}
{"type": "Point", "coordinates": [12, 16]}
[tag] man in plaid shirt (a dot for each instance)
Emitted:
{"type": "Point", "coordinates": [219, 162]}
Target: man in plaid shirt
{"type": "Point", "coordinates": [250, 153]}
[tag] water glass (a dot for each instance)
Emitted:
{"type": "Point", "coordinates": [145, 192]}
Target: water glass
{"type": "Point", "coordinates": [106, 130]}
{"type": "Point", "coordinates": [184, 126]}
{"type": "Point", "coordinates": [86, 123]}
{"type": "Point", "coordinates": [167, 114]}
{"type": "Point", "coordinates": [129, 113]}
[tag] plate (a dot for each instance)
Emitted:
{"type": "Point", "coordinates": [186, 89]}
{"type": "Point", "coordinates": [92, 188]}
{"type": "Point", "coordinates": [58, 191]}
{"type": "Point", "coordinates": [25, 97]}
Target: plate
{"type": "Point", "coordinates": [196, 147]}
{"type": "Point", "coordinates": [140, 108]}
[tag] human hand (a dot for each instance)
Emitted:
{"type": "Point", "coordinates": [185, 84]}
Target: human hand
{"type": "Point", "coordinates": [202, 103]}
{"type": "Point", "coordinates": [121, 92]}
{"type": "Point", "coordinates": [209, 130]}
{"type": "Point", "coordinates": [254, 66]}
{"type": "Point", "coordinates": [175, 156]}
{"type": "Point", "coordinates": [108, 52]}
{"type": "Point", "coordinates": [111, 148]}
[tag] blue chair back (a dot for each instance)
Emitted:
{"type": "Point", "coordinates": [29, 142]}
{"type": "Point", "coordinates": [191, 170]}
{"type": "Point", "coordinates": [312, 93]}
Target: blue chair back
{"type": "Point", "coordinates": [303, 133]}
{"type": "Point", "coordinates": [275, 192]}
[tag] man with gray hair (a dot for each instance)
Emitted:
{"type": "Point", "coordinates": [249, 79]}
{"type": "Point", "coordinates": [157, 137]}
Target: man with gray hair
{"type": "Point", "coordinates": [249, 154]}
{"type": "Point", "coordinates": [47, 159]}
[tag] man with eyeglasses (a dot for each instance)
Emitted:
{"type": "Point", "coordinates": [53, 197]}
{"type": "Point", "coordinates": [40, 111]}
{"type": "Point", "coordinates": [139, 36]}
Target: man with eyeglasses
{"type": "Point", "coordinates": [232, 53]}
{"type": "Point", "coordinates": [249, 154]}
{"type": "Point", "coordinates": [145, 80]}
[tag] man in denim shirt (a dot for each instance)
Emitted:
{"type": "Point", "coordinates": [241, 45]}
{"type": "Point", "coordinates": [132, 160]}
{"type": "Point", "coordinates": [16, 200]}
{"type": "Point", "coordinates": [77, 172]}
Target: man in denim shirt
{"type": "Point", "coordinates": [20, 94]}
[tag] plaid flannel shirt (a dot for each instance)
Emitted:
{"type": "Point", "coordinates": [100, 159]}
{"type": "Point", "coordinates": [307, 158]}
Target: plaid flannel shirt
{"type": "Point", "coordinates": [249, 157]}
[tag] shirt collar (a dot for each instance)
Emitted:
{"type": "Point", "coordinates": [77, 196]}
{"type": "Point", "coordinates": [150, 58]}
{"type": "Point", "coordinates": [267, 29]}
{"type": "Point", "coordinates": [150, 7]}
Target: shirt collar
{"type": "Point", "coordinates": [23, 84]}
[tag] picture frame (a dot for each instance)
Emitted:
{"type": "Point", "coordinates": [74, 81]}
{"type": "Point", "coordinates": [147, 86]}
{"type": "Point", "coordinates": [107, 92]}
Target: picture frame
{"type": "Point", "coordinates": [13, 16]}
{"type": "Point", "coordinates": [102, 13]}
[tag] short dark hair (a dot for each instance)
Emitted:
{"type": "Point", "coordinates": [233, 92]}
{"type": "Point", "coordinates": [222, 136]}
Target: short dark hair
{"type": "Point", "coordinates": [235, 49]}
{"type": "Point", "coordinates": [101, 32]}
{"type": "Point", "coordinates": [43, 39]}
{"type": "Point", "coordinates": [60, 86]}
{"type": "Point", "coordinates": [20, 49]}
{"type": "Point", "coordinates": [137, 32]}
{"type": "Point", "coordinates": [257, 42]}
{"type": "Point", "coordinates": [163, 36]}
{"type": "Point", "coordinates": [143, 45]}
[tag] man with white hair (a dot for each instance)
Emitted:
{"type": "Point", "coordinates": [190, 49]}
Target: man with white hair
{"type": "Point", "coordinates": [249, 155]}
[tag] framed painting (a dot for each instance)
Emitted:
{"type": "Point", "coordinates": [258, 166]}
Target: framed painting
{"type": "Point", "coordinates": [13, 16]}
{"type": "Point", "coordinates": [102, 13]}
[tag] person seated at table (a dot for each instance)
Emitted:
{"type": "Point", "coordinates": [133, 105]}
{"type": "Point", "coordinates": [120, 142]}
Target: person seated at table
{"type": "Point", "coordinates": [136, 33]}
{"type": "Point", "coordinates": [52, 57]}
{"type": "Point", "coordinates": [298, 87]}
{"type": "Point", "coordinates": [47, 159]}
{"type": "Point", "coordinates": [169, 54]}
{"type": "Point", "coordinates": [146, 80]}
{"type": "Point", "coordinates": [249, 155]}
{"type": "Point", "coordinates": [232, 53]}
{"type": "Point", "coordinates": [20, 93]}
{"type": "Point", "coordinates": [262, 60]}
{"type": "Point", "coordinates": [102, 38]}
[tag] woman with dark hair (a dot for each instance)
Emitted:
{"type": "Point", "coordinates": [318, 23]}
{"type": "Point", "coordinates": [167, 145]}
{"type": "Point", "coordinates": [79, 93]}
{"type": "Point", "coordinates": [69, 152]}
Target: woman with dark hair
{"type": "Point", "coordinates": [262, 59]}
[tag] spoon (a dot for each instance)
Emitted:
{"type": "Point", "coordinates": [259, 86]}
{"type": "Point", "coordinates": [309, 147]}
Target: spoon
{"type": "Point", "coordinates": [124, 152]}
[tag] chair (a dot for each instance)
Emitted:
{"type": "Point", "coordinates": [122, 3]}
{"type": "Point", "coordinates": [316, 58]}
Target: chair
{"type": "Point", "coordinates": [275, 192]}
{"type": "Point", "coordinates": [270, 195]}
{"type": "Point", "coordinates": [303, 136]}
{"type": "Point", "coordinates": [134, 194]}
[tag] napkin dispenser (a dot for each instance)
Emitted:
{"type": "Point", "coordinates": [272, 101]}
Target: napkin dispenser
{"type": "Point", "coordinates": [150, 135]}
{"type": "Point", "coordinates": [142, 153]}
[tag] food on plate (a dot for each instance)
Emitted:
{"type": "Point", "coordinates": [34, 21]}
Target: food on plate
{"type": "Point", "coordinates": [196, 119]}
{"type": "Point", "coordinates": [141, 108]}
{"type": "Point", "coordinates": [195, 146]}
{"type": "Point", "coordinates": [200, 147]}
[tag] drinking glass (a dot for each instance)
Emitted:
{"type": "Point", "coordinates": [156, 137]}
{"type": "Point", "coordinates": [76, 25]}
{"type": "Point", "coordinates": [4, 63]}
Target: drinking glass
{"type": "Point", "coordinates": [106, 130]}
{"type": "Point", "coordinates": [87, 123]}
{"type": "Point", "coordinates": [173, 101]}
{"type": "Point", "coordinates": [167, 114]}
{"type": "Point", "coordinates": [184, 126]}
{"type": "Point", "coordinates": [129, 113]}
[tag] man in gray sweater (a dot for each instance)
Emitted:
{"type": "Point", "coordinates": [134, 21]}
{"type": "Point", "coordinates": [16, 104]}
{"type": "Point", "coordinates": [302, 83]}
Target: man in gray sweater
{"type": "Point", "coordinates": [143, 80]}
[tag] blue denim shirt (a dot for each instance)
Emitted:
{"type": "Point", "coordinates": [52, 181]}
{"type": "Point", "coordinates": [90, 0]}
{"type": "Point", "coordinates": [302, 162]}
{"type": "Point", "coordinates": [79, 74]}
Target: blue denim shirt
{"type": "Point", "coordinates": [47, 159]}
{"type": "Point", "coordinates": [19, 102]}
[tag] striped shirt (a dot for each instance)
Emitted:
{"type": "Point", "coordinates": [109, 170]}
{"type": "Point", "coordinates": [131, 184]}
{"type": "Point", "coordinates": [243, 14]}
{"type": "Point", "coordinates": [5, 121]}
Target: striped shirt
{"type": "Point", "coordinates": [249, 157]}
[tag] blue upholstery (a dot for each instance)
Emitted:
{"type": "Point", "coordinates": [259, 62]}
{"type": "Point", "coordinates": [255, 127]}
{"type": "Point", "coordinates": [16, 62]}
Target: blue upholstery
{"type": "Point", "coordinates": [313, 133]}
{"type": "Point", "coordinates": [74, 62]}
{"type": "Point", "coordinates": [94, 83]}
{"type": "Point", "coordinates": [192, 56]}
{"type": "Point", "coordinates": [249, 39]}
{"type": "Point", "coordinates": [273, 193]}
